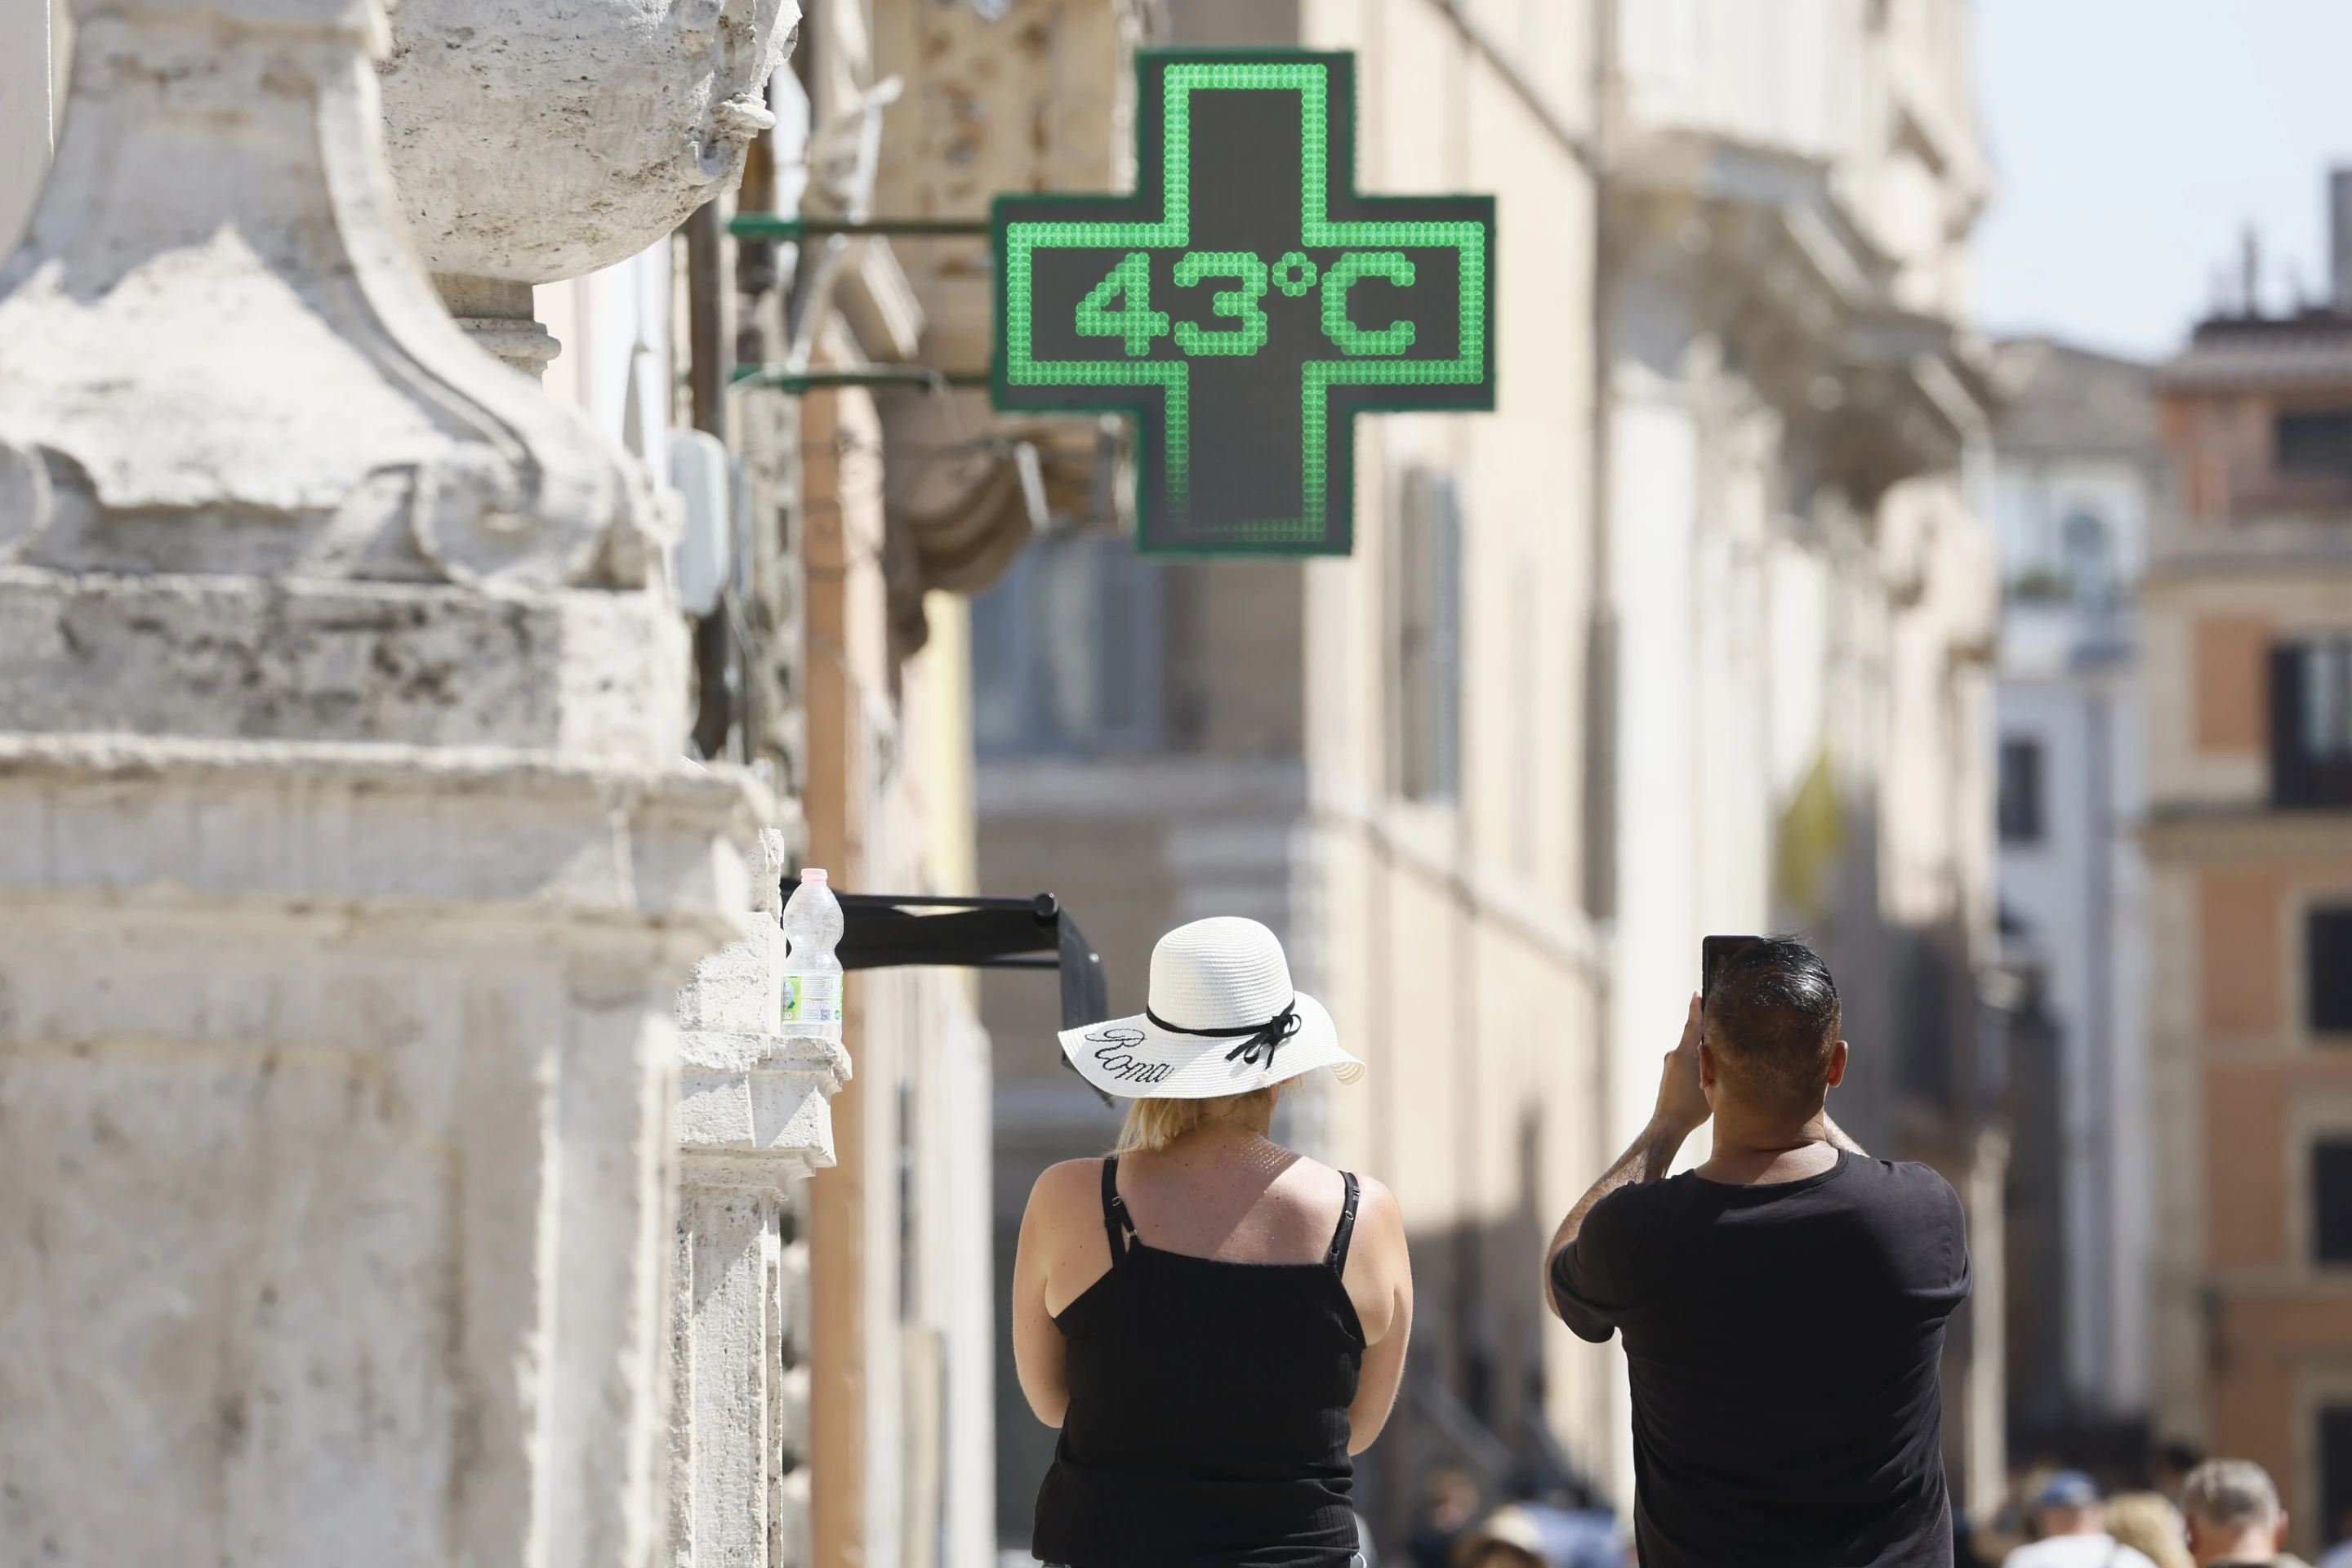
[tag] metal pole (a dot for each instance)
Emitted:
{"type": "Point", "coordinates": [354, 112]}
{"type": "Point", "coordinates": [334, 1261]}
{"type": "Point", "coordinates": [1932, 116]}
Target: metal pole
{"type": "Point", "coordinates": [711, 356]}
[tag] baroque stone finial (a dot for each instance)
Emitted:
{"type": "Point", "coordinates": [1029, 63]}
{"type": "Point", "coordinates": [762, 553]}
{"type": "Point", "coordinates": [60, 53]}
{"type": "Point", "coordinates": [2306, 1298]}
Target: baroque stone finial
{"type": "Point", "coordinates": [217, 351]}
{"type": "Point", "coordinates": [523, 158]}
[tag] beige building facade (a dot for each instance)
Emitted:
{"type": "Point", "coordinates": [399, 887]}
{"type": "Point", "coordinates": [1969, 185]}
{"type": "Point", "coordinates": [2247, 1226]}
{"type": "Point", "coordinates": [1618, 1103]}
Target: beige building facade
{"type": "Point", "coordinates": [1690, 634]}
{"type": "Point", "coordinates": [1379, 756]}
{"type": "Point", "coordinates": [1798, 594]}
{"type": "Point", "coordinates": [1683, 636]}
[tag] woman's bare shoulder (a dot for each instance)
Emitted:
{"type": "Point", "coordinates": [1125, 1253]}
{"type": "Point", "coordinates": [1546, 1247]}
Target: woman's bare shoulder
{"type": "Point", "coordinates": [1067, 1188]}
{"type": "Point", "coordinates": [1315, 1173]}
{"type": "Point", "coordinates": [1320, 1187]}
{"type": "Point", "coordinates": [1373, 1194]}
{"type": "Point", "coordinates": [1379, 1221]}
{"type": "Point", "coordinates": [1070, 1176]}
{"type": "Point", "coordinates": [1377, 1208]}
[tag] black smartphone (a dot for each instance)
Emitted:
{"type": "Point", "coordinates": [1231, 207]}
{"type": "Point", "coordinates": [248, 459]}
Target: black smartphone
{"type": "Point", "coordinates": [1715, 952]}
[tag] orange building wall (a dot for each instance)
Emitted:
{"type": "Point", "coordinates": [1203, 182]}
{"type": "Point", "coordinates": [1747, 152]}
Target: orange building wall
{"type": "Point", "coordinates": [2278, 1322]}
{"type": "Point", "coordinates": [2240, 963]}
{"type": "Point", "coordinates": [2233, 682]}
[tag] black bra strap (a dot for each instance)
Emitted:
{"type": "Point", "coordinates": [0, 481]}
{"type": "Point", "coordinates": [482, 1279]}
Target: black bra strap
{"type": "Point", "coordinates": [1115, 1214]}
{"type": "Point", "coordinates": [1337, 1259]}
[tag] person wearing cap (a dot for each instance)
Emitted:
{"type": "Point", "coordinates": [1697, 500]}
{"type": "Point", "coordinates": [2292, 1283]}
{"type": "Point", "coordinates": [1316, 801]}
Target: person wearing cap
{"type": "Point", "coordinates": [1216, 1324]}
{"type": "Point", "coordinates": [2234, 1517]}
{"type": "Point", "coordinates": [2070, 1525]}
{"type": "Point", "coordinates": [1783, 1305]}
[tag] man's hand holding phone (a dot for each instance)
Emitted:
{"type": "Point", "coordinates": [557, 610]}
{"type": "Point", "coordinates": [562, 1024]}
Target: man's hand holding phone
{"type": "Point", "coordinates": [1682, 1103]}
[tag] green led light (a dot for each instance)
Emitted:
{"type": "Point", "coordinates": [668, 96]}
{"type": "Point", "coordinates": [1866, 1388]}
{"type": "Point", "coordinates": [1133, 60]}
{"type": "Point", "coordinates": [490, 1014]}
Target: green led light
{"type": "Point", "coordinates": [1136, 322]}
{"type": "Point", "coordinates": [1246, 268]}
{"type": "Point", "coordinates": [1392, 339]}
{"type": "Point", "coordinates": [1156, 345]}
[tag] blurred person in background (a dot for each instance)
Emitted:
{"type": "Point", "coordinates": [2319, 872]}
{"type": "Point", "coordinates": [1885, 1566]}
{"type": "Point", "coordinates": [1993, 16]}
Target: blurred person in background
{"type": "Point", "coordinates": [2340, 1554]}
{"type": "Point", "coordinates": [1449, 1506]}
{"type": "Point", "coordinates": [2234, 1516]}
{"type": "Point", "coordinates": [1536, 1535]}
{"type": "Point", "coordinates": [1216, 1323]}
{"type": "Point", "coordinates": [1783, 1304]}
{"type": "Point", "coordinates": [2148, 1522]}
{"type": "Point", "coordinates": [1987, 1543]}
{"type": "Point", "coordinates": [1506, 1538]}
{"type": "Point", "coordinates": [2173, 1463]}
{"type": "Point", "coordinates": [2070, 1525]}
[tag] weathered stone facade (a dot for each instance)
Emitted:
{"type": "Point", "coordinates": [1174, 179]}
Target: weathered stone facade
{"type": "Point", "coordinates": [517, 166]}
{"type": "Point", "coordinates": [349, 863]}
{"type": "Point", "coordinates": [1796, 599]}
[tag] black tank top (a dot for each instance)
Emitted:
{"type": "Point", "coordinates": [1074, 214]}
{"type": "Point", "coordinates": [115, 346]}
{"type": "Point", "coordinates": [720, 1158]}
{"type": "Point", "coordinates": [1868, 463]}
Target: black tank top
{"type": "Point", "coordinates": [1208, 1418]}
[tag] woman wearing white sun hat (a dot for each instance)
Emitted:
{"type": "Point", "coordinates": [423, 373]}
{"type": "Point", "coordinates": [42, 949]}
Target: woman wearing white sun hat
{"type": "Point", "coordinates": [1216, 1323]}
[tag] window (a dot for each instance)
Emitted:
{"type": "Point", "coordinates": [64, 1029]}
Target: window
{"type": "Point", "coordinates": [1927, 1066]}
{"type": "Point", "coordinates": [2327, 969]}
{"type": "Point", "coordinates": [2089, 558]}
{"type": "Point", "coordinates": [2311, 722]}
{"type": "Point", "coordinates": [1425, 599]}
{"type": "Point", "coordinates": [2334, 1468]}
{"type": "Point", "coordinates": [2020, 804]}
{"type": "Point", "coordinates": [2314, 446]}
{"type": "Point", "coordinates": [2331, 1200]}
{"type": "Point", "coordinates": [1066, 652]}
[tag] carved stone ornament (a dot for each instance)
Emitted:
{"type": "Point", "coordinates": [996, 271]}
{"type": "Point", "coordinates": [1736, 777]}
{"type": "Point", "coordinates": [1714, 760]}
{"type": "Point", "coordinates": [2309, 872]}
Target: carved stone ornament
{"type": "Point", "coordinates": [217, 351]}
{"type": "Point", "coordinates": [539, 140]}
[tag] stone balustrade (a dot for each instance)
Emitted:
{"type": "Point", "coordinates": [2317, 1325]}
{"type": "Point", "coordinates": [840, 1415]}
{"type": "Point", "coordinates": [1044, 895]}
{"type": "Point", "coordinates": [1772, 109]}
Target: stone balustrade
{"type": "Point", "coordinates": [753, 1117]}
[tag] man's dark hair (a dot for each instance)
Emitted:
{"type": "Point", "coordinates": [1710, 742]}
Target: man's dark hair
{"type": "Point", "coordinates": [1771, 1020]}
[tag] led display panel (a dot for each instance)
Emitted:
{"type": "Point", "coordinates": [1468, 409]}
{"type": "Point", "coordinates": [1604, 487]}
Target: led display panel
{"type": "Point", "coordinates": [1245, 304]}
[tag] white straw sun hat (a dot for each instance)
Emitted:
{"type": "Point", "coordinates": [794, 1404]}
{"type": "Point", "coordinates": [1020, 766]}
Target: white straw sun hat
{"type": "Point", "coordinates": [1222, 1019]}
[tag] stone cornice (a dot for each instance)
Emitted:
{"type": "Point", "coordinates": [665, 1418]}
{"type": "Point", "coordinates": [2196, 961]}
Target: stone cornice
{"type": "Point", "coordinates": [2192, 836]}
{"type": "Point", "coordinates": [1768, 255]}
{"type": "Point", "coordinates": [386, 831]}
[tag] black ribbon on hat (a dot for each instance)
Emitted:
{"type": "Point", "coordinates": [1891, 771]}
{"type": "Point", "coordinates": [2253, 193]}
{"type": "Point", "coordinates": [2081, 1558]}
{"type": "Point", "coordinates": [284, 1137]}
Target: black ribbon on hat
{"type": "Point", "coordinates": [1263, 1036]}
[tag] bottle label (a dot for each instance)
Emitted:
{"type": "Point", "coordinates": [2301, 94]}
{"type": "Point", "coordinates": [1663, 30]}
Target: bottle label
{"type": "Point", "coordinates": [812, 999]}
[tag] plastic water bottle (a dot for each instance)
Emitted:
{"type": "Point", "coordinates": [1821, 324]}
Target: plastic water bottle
{"type": "Point", "coordinates": [812, 978]}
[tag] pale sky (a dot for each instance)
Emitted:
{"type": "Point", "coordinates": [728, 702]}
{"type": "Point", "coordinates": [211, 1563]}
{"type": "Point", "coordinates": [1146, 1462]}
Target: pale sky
{"type": "Point", "coordinates": [2134, 140]}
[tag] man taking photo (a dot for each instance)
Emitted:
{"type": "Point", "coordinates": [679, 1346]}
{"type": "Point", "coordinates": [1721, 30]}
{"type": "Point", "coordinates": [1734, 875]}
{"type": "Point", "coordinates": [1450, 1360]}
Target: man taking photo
{"type": "Point", "coordinates": [1783, 1305]}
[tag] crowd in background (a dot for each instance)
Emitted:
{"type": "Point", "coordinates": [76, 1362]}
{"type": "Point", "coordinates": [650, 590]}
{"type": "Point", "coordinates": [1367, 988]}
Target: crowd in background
{"type": "Point", "coordinates": [2195, 1512]}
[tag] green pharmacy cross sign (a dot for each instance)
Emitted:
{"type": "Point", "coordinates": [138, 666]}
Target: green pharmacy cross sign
{"type": "Point", "coordinates": [1246, 303]}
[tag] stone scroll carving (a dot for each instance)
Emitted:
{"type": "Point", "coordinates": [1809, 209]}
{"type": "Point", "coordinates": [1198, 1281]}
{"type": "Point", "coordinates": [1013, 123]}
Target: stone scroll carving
{"type": "Point", "coordinates": [215, 343]}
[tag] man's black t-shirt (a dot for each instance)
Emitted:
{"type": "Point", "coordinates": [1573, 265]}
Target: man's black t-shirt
{"type": "Point", "coordinates": [1784, 1343]}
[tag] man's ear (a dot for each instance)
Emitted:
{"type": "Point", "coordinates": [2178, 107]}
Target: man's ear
{"type": "Point", "coordinates": [1707, 1073]}
{"type": "Point", "coordinates": [2278, 1532]}
{"type": "Point", "coordinates": [1837, 1065]}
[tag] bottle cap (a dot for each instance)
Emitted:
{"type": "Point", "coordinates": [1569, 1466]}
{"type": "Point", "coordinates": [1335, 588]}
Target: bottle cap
{"type": "Point", "coordinates": [813, 874]}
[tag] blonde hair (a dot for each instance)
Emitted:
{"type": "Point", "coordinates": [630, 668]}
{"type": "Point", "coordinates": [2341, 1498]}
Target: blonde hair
{"type": "Point", "coordinates": [1154, 1123]}
{"type": "Point", "coordinates": [2150, 1521]}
